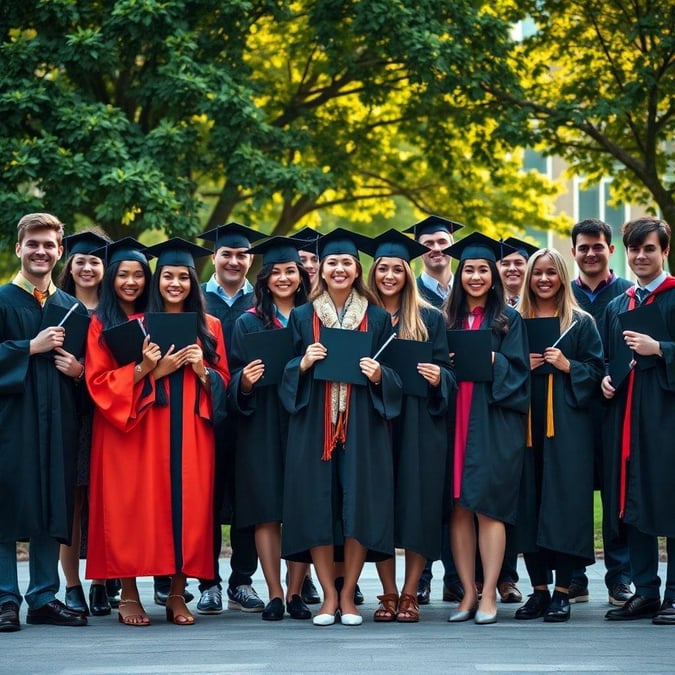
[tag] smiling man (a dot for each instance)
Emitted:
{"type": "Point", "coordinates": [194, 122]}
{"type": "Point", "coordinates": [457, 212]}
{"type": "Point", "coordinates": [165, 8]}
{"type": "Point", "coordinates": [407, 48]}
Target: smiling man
{"type": "Point", "coordinates": [641, 424]}
{"type": "Point", "coordinates": [38, 428]}
{"type": "Point", "coordinates": [436, 234]}
{"type": "Point", "coordinates": [228, 295]}
{"type": "Point", "coordinates": [594, 288]}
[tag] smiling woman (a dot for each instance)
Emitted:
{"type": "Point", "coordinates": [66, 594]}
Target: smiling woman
{"type": "Point", "coordinates": [262, 423]}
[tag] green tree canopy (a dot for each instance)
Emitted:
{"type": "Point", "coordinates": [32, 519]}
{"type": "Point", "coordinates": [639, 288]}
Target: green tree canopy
{"type": "Point", "coordinates": [594, 83]}
{"type": "Point", "coordinates": [165, 114]}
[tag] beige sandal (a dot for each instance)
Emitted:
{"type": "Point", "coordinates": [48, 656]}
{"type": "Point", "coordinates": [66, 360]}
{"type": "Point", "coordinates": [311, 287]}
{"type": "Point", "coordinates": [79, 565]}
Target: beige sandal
{"type": "Point", "coordinates": [129, 619]}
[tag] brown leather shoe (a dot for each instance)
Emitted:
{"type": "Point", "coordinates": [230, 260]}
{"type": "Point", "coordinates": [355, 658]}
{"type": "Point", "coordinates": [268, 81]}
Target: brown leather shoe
{"type": "Point", "coordinates": [9, 617]}
{"type": "Point", "coordinates": [509, 592]}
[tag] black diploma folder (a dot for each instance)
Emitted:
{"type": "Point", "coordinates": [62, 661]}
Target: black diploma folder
{"type": "Point", "coordinates": [645, 319]}
{"type": "Point", "coordinates": [76, 325]}
{"type": "Point", "coordinates": [126, 341]}
{"type": "Point", "coordinates": [344, 350]}
{"type": "Point", "coordinates": [403, 356]}
{"type": "Point", "coordinates": [542, 333]}
{"type": "Point", "coordinates": [274, 348]}
{"type": "Point", "coordinates": [171, 328]}
{"type": "Point", "coordinates": [473, 354]}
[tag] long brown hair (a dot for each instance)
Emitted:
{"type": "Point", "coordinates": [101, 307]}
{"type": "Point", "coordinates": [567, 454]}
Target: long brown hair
{"type": "Point", "coordinates": [410, 325]}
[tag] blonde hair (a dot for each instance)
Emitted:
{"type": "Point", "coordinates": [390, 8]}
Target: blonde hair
{"type": "Point", "coordinates": [565, 301]}
{"type": "Point", "coordinates": [39, 221]}
{"type": "Point", "coordinates": [410, 325]}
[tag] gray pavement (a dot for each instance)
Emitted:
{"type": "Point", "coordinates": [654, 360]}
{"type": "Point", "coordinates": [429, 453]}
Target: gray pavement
{"type": "Point", "coordinates": [234, 642]}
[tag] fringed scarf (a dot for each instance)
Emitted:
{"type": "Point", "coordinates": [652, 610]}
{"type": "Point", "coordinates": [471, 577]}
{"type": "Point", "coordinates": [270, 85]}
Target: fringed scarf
{"type": "Point", "coordinates": [336, 406]}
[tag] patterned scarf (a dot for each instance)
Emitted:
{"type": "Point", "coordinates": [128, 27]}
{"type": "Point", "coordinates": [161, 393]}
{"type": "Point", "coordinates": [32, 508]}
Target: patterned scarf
{"type": "Point", "coordinates": [336, 413]}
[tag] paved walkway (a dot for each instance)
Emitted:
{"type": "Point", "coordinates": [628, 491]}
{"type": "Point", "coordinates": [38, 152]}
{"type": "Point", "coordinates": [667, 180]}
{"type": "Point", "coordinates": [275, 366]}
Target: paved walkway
{"type": "Point", "coordinates": [242, 643]}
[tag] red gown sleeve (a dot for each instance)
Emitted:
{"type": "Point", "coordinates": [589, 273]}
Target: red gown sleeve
{"type": "Point", "coordinates": [112, 387]}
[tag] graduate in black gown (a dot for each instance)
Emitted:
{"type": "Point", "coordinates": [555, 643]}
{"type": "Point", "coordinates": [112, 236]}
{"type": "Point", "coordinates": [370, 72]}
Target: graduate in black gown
{"type": "Point", "coordinates": [555, 528]}
{"type": "Point", "coordinates": [81, 277]}
{"type": "Point", "coordinates": [262, 422]}
{"type": "Point", "coordinates": [489, 438]}
{"type": "Point", "coordinates": [419, 433]}
{"type": "Point", "coordinates": [641, 424]}
{"type": "Point", "coordinates": [228, 295]}
{"type": "Point", "coordinates": [338, 491]}
{"type": "Point", "coordinates": [38, 427]}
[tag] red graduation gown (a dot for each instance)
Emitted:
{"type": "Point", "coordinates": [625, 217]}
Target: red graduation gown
{"type": "Point", "coordinates": [131, 525]}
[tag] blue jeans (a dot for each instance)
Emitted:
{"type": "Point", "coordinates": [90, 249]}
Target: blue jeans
{"type": "Point", "coordinates": [44, 572]}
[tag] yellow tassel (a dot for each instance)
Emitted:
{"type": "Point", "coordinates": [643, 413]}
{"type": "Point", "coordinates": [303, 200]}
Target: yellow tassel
{"type": "Point", "coordinates": [550, 429]}
{"type": "Point", "coordinates": [529, 428]}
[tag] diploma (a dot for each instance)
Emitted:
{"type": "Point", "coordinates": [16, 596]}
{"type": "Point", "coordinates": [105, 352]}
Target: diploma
{"type": "Point", "coordinates": [383, 347]}
{"type": "Point", "coordinates": [568, 329]}
{"type": "Point", "coordinates": [68, 313]}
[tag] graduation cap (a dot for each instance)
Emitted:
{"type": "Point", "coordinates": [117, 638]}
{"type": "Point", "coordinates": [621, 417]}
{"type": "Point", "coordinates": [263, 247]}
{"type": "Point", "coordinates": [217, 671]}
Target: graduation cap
{"type": "Point", "coordinates": [278, 250]}
{"type": "Point", "coordinates": [522, 247]}
{"type": "Point", "coordinates": [433, 224]}
{"type": "Point", "coordinates": [478, 246]}
{"type": "Point", "coordinates": [127, 248]}
{"type": "Point", "coordinates": [232, 235]}
{"type": "Point", "coordinates": [177, 251]}
{"type": "Point", "coordinates": [84, 243]}
{"type": "Point", "coordinates": [394, 244]}
{"type": "Point", "coordinates": [309, 237]}
{"type": "Point", "coordinates": [342, 242]}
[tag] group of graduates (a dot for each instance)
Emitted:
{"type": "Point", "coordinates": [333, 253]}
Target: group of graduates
{"type": "Point", "coordinates": [334, 418]}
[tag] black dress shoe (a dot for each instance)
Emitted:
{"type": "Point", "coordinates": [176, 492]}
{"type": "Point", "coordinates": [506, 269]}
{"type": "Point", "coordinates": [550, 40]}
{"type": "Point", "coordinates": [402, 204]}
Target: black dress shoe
{"type": "Point", "coordinates": [55, 613]}
{"type": "Point", "coordinates": [535, 607]}
{"type": "Point", "coordinates": [113, 588]}
{"type": "Point", "coordinates": [309, 594]}
{"type": "Point", "coordinates": [358, 596]}
{"type": "Point", "coordinates": [274, 610]}
{"type": "Point", "coordinates": [423, 593]}
{"type": "Point", "coordinates": [453, 592]}
{"type": "Point", "coordinates": [298, 609]}
{"type": "Point", "coordinates": [9, 617]}
{"type": "Point", "coordinates": [638, 607]}
{"type": "Point", "coordinates": [98, 600]}
{"type": "Point", "coordinates": [75, 600]}
{"type": "Point", "coordinates": [666, 614]}
{"type": "Point", "coordinates": [559, 609]}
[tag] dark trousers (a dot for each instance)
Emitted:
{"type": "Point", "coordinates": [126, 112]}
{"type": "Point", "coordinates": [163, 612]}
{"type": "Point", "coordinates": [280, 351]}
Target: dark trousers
{"type": "Point", "coordinates": [644, 559]}
{"type": "Point", "coordinates": [244, 560]}
{"type": "Point", "coordinates": [540, 563]}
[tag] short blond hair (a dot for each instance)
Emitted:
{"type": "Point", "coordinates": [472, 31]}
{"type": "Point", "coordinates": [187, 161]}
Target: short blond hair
{"type": "Point", "coordinates": [39, 221]}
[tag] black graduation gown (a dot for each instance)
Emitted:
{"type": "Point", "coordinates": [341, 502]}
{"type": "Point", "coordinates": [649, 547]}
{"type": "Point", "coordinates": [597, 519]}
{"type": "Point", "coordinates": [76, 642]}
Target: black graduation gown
{"type": "Point", "coordinates": [262, 431]}
{"type": "Point", "coordinates": [556, 492]}
{"type": "Point", "coordinates": [650, 502]}
{"type": "Point", "coordinates": [226, 431]}
{"type": "Point", "coordinates": [597, 307]}
{"type": "Point", "coordinates": [432, 298]}
{"type": "Point", "coordinates": [316, 511]}
{"type": "Point", "coordinates": [421, 454]}
{"type": "Point", "coordinates": [496, 438]}
{"type": "Point", "coordinates": [227, 314]}
{"type": "Point", "coordinates": [38, 441]}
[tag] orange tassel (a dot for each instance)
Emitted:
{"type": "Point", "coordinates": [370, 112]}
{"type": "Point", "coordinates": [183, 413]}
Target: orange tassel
{"type": "Point", "coordinates": [550, 429]}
